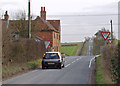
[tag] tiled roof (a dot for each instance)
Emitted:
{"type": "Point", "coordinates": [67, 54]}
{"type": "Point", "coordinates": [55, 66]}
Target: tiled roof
{"type": "Point", "coordinates": [55, 24]}
{"type": "Point", "coordinates": [48, 24]}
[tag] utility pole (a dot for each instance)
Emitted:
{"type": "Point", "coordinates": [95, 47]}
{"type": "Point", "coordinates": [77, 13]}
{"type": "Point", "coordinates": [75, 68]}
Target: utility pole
{"type": "Point", "coordinates": [29, 20]}
{"type": "Point", "coordinates": [111, 30]}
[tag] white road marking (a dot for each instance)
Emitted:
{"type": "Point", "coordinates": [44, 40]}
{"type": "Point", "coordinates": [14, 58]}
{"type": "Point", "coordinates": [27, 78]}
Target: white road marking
{"type": "Point", "coordinates": [73, 62]}
{"type": "Point", "coordinates": [67, 65]}
{"type": "Point", "coordinates": [91, 61]}
{"type": "Point", "coordinates": [79, 59]}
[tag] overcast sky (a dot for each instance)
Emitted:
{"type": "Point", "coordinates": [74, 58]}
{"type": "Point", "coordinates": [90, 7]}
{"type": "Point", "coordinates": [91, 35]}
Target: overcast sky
{"type": "Point", "coordinates": [70, 7]}
{"type": "Point", "coordinates": [61, 6]}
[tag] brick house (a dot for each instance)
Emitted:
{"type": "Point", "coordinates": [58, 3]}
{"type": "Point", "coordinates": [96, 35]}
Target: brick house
{"type": "Point", "coordinates": [47, 30]}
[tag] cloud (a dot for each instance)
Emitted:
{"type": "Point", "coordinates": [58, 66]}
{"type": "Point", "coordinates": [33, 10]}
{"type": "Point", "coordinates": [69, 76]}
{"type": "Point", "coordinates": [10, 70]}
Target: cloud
{"type": "Point", "coordinates": [61, 6]}
{"type": "Point", "coordinates": [10, 3]}
{"type": "Point", "coordinates": [105, 9]}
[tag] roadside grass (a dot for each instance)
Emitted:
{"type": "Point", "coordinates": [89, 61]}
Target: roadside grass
{"type": "Point", "coordinates": [102, 76]}
{"type": "Point", "coordinates": [29, 65]}
{"type": "Point", "coordinates": [99, 76]}
{"type": "Point", "coordinates": [14, 70]}
{"type": "Point", "coordinates": [70, 50]}
{"type": "Point", "coordinates": [35, 64]}
{"type": "Point", "coordinates": [84, 51]}
{"type": "Point", "coordinates": [8, 72]}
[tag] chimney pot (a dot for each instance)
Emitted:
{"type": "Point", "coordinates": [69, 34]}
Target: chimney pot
{"type": "Point", "coordinates": [41, 8]}
{"type": "Point", "coordinates": [6, 12]}
{"type": "Point", "coordinates": [43, 13]}
{"type": "Point", "coordinates": [6, 16]}
{"type": "Point", "coordinates": [44, 8]}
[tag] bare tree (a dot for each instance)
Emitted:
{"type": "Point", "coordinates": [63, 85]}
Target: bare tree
{"type": "Point", "coordinates": [20, 23]}
{"type": "Point", "coordinates": [19, 15]}
{"type": "Point", "coordinates": [1, 14]}
{"type": "Point", "coordinates": [33, 16]}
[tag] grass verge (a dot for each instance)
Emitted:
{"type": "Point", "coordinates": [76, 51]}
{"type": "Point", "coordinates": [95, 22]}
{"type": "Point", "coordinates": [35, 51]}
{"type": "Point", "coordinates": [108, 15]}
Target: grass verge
{"type": "Point", "coordinates": [102, 76]}
{"type": "Point", "coordinates": [84, 51]}
{"type": "Point", "coordinates": [35, 64]}
{"type": "Point", "coordinates": [99, 76]}
{"type": "Point", "coordinates": [9, 72]}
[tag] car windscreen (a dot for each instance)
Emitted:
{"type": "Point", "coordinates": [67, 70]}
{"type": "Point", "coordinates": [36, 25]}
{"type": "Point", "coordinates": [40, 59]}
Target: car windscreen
{"type": "Point", "coordinates": [51, 56]}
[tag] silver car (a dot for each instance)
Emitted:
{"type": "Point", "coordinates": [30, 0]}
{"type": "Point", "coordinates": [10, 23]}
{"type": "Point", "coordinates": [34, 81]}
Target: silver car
{"type": "Point", "coordinates": [53, 59]}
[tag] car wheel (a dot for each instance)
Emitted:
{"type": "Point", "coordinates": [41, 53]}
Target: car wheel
{"type": "Point", "coordinates": [43, 67]}
{"type": "Point", "coordinates": [60, 66]}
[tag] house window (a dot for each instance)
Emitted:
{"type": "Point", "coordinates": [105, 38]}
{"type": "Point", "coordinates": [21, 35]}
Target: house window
{"type": "Point", "coordinates": [57, 36]}
{"type": "Point", "coordinates": [54, 35]}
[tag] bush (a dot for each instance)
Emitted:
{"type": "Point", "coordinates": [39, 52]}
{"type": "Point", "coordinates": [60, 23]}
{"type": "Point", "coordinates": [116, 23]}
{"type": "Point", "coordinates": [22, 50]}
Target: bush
{"type": "Point", "coordinates": [96, 45]}
{"type": "Point", "coordinates": [22, 51]}
{"type": "Point", "coordinates": [115, 67]}
{"type": "Point", "coordinates": [110, 60]}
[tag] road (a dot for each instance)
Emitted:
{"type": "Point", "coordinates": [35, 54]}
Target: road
{"type": "Point", "coordinates": [76, 71]}
{"type": "Point", "coordinates": [90, 48]}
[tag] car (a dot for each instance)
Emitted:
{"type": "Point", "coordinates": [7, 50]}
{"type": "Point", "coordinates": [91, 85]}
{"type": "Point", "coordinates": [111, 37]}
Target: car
{"type": "Point", "coordinates": [53, 59]}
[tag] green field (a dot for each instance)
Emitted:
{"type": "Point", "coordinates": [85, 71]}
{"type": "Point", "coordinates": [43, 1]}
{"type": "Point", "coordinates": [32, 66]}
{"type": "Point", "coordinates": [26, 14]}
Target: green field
{"type": "Point", "coordinates": [70, 50]}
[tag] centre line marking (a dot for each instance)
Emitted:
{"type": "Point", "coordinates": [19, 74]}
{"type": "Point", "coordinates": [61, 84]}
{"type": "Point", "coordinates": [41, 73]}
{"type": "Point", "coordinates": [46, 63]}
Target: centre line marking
{"type": "Point", "coordinates": [67, 65]}
{"type": "Point", "coordinates": [72, 62]}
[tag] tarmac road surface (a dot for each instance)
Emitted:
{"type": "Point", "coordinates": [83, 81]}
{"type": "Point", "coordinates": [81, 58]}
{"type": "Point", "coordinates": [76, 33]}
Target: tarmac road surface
{"type": "Point", "coordinates": [76, 71]}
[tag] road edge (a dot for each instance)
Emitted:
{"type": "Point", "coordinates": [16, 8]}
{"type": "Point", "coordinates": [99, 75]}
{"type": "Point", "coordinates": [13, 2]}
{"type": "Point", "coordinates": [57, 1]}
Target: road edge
{"type": "Point", "coordinates": [92, 77]}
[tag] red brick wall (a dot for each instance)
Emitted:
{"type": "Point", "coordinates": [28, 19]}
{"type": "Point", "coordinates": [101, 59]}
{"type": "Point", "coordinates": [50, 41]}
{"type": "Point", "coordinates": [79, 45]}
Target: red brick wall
{"type": "Point", "coordinates": [56, 40]}
{"type": "Point", "coordinates": [46, 35]}
{"type": "Point", "coordinates": [51, 36]}
{"type": "Point", "coordinates": [43, 14]}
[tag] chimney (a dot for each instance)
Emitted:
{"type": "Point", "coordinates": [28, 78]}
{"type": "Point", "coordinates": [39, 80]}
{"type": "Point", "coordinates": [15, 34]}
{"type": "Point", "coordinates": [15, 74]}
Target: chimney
{"type": "Point", "coordinates": [6, 16]}
{"type": "Point", "coordinates": [41, 8]}
{"type": "Point", "coordinates": [43, 13]}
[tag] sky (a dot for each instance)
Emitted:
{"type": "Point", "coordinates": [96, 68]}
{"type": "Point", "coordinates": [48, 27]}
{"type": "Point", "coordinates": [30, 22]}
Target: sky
{"type": "Point", "coordinates": [70, 7]}
{"type": "Point", "coordinates": [54, 7]}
